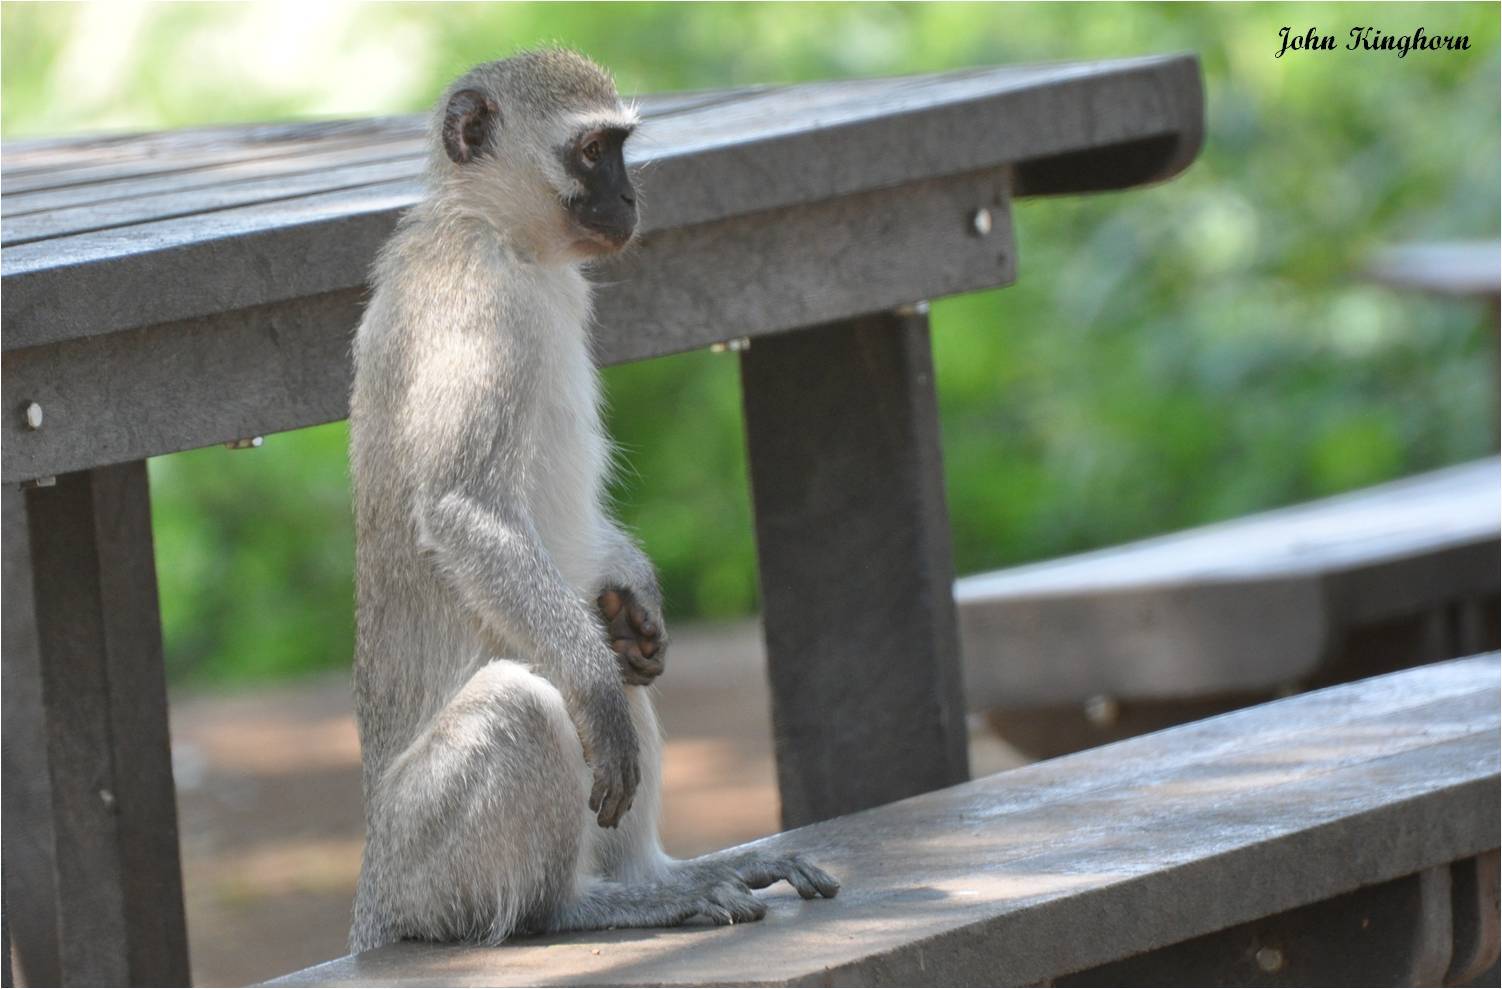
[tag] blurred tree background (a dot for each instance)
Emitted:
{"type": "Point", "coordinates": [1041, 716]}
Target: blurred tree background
{"type": "Point", "coordinates": [1168, 357]}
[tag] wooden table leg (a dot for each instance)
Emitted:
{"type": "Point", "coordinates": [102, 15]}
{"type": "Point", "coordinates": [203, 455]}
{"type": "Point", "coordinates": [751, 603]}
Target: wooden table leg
{"type": "Point", "coordinates": [104, 702]}
{"type": "Point", "coordinates": [856, 567]}
{"type": "Point", "coordinates": [29, 890]}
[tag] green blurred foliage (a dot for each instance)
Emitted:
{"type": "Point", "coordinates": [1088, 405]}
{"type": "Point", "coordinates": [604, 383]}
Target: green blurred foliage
{"type": "Point", "coordinates": [1169, 356]}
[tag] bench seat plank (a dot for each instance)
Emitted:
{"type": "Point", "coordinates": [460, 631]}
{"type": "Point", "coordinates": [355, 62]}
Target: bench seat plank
{"type": "Point", "coordinates": [1072, 863]}
{"type": "Point", "coordinates": [1250, 604]}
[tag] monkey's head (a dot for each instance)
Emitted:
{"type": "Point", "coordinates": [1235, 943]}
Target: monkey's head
{"type": "Point", "coordinates": [534, 143]}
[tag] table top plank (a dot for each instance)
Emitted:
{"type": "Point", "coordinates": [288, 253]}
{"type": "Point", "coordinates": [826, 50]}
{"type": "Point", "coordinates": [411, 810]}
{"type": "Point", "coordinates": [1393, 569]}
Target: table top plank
{"type": "Point", "coordinates": [172, 152]}
{"type": "Point", "coordinates": [1144, 843]}
{"type": "Point", "coordinates": [325, 157]}
{"type": "Point", "coordinates": [721, 154]}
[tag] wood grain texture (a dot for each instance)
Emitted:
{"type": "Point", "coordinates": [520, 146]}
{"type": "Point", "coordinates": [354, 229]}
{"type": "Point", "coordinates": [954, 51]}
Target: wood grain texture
{"type": "Point", "coordinates": [104, 703]}
{"type": "Point", "coordinates": [29, 885]}
{"type": "Point", "coordinates": [1250, 604]}
{"type": "Point", "coordinates": [852, 537]}
{"type": "Point", "coordinates": [1092, 125]}
{"type": "Point", "coordinates": [1077, 862]}
{"type": "Point", "coordinates": [265, 369]}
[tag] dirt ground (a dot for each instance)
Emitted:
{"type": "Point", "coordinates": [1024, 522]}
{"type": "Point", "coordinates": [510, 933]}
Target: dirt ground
{"type": "Point", "coordinates": [269, 798]}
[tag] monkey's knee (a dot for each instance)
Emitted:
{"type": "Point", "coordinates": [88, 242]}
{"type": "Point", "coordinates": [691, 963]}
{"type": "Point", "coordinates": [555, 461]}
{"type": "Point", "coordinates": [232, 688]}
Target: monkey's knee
{"type": "Point", "coordinates": [479, 821]}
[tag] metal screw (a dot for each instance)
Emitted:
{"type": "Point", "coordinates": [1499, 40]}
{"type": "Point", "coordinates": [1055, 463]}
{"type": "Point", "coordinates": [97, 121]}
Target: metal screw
{"type": "Point", "coordinates": [980, 222]}
{"type": "Point", "coordinates": [246, 444]}
{"type": "Point", "coordinates": [107, 798]}
{"type": "Point", "coordinates": [1269, 959]}
{"type": "Point", "coordinates": [1102, 711]}
{"type": "Point", "coordinates": [33, 415]}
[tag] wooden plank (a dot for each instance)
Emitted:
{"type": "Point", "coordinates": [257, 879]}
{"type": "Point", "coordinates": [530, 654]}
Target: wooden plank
{"type": "Point", "coordinates": [24, 156]}
{"type": "Point", "coordinates": [29, 888]}
{"type": "Point", "coordinates": [852, 536]}
{"type": "Point", "coordinates": [302, 170]}
{"type": "Point", "coordinates": [1476, 916]}
{"type": "Point", "coordinates": [769, 151]}
{"type": "Point", "coordinates": [191, 201]}
{"type": "Point", "coordinates": [113, 191]}
{"type": "Point", "coordinates": [1139, 845]}
{"type": "Point", "coordinates": [1461, 268]}
{"type": "Point", "coordinates": [181, 150]}
{"type": "Point", "coordinates": [1396, 933]}
{"type": "Point", "coordinates": [1251, 604]}
{"type": "Point", "coordinates": [257, 371]}
{"type": "Point", "coordinates": [104, 699]}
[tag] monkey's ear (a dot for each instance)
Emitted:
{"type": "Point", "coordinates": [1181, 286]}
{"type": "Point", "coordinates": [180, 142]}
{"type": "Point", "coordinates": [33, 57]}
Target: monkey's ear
{"type": "Point", "coordinates": [468, 122]}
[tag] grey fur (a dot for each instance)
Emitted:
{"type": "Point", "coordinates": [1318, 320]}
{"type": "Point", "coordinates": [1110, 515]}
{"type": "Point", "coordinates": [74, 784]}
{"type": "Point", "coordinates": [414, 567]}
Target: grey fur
{"type": "Point", "coordinates": [492, 712]}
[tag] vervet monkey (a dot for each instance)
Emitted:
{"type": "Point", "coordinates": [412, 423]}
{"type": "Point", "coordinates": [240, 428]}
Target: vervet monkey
{"type": "Point", "coordinates": [506, 625]}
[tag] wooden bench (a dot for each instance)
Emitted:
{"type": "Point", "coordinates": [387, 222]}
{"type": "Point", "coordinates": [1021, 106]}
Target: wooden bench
{"type": "Point", "coordinates": [1342, 837]}
{"type": "Point", "coordinates": [1073, 652]}
{"type": "Point", "coordinates": [1470, 269]}
{"type": "Point", "coordinates": [164, 292]}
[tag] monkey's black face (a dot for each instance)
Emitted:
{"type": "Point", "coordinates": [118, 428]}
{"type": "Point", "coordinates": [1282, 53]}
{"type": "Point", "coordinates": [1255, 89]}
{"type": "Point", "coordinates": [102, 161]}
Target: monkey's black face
{"type": "Point", "coordinates": [605, 212]}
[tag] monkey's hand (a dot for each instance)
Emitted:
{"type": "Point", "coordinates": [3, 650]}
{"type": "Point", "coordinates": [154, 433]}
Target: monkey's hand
{"type": "Point", "coordinates": [634, 628]}
{"type": "Point", "coordinates": [610, 748]}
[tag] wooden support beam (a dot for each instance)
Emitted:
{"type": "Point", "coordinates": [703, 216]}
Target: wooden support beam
{"type": "Point", "coordinates": [104, 706]}
{"type": "Point", "coordinates": [856, 569]}
{"type": "Point", "coordinates": [29, 889]}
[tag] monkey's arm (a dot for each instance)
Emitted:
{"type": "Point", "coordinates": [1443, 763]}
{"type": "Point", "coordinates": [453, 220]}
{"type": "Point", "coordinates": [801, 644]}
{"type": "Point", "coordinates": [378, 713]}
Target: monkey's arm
{"type": "Point", "coordinates": [465, 401]}
{"type": "Point", "coordinates": [630, 602]}
{"type": "Point", "coordinates": [492, 557]}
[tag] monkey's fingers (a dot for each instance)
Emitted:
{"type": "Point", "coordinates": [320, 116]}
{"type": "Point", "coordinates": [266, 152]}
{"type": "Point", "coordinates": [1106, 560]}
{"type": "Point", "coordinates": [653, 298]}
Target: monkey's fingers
{"type": "Point", "coordinates": [597, 793]}
{"type": "Point", "coordinates": [611, 808]}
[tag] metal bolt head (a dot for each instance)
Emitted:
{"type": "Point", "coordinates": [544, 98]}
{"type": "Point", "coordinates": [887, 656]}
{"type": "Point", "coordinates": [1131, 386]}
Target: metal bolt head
{"type": "Point", "coordinates": [1269, 959]}
{"type": "Point", "coordinates": [1102, 711]}
{"type": "Point", "coordinates": [107, 798]}
{"type": "Point", "coordinates": [980, 222]}
{"type": "Point", "coordinates": [33, 414]}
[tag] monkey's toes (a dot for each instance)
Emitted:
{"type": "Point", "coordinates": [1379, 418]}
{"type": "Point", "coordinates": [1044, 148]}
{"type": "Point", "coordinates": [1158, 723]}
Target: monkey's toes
{"type": "Point", "coordinates": [732, 903]}
{"type": "Point", "coordinates": [812, 880]}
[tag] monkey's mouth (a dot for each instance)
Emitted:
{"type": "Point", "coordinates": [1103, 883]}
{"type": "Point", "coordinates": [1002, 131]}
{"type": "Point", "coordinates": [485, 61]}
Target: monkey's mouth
{"type": "Point", "coordinates": [603, 238]}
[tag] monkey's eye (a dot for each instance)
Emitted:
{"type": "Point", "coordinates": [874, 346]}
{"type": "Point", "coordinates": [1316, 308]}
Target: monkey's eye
{"type": "Point", "coordinates": [592, 151]}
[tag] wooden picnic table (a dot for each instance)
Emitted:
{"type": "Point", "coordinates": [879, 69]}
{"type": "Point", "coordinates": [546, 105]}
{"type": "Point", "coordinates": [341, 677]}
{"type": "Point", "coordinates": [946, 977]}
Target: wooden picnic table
{"type": "Point", "coordinates": [163, 292]}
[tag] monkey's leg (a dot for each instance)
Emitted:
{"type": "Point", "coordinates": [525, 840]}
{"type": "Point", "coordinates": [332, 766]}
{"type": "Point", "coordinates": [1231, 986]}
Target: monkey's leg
{"type": "Point", "coordinates": [633, 852]}
{"type": "Point", "coordinates": [607, 903]}
{"type": "Point", "coordinates": [477, 828]}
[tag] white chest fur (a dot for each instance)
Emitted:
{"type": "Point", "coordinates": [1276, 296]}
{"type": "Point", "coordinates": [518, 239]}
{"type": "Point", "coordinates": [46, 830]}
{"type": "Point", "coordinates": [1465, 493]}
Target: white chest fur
{"type": "Point", "coordinates": [568, 457]}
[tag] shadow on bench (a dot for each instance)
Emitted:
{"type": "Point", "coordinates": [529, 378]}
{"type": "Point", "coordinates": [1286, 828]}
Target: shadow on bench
{"type": "Point", "coordinates": [1334, 798]}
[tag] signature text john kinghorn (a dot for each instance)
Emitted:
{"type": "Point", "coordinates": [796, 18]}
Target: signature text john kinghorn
{"type": "Point", "coordinates": [1371, 39]}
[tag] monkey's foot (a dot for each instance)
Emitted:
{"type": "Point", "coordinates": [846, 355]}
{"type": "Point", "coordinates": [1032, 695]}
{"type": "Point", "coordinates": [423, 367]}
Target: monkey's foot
{"type": "Point", "coordinates": [635, 634]}
{"type": "Point", "coordinates": [730, 903]}
{"type": "Point", "coordinates": [759, 870]}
